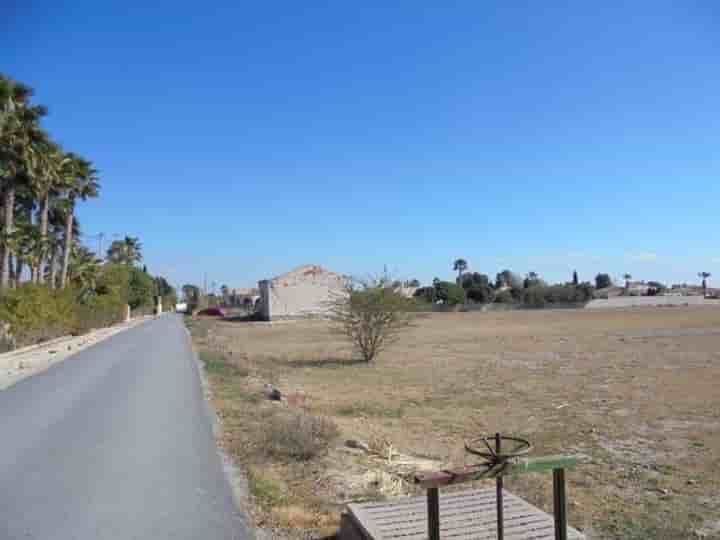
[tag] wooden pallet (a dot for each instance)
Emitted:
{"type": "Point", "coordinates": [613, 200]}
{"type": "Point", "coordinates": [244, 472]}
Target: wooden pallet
{"type": "Point", "coordinates": [464, 515]}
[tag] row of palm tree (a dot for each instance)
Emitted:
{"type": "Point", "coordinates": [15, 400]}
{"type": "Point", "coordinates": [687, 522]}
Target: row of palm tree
{"type": "Point", "coordinates": [41, 185]}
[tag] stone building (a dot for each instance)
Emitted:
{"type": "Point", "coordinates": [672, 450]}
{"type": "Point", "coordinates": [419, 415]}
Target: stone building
{"type": "Point", "coordinates": [302, 292]}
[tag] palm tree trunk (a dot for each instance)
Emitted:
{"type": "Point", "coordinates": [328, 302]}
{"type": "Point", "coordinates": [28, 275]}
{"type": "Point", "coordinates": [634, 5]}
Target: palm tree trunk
{"type": "Point", "coordinates": [53, 268]}
{"type": "Point", "coordinates": [9, 215]}
{"type": "Point", "coordinates": [19, 264]}
{"type": "Point", "coordinates": [44, 211]}
{"type": "Point", "coordinates": [68, 243]}
{"type": "Point", "coordinates": [11, 262]}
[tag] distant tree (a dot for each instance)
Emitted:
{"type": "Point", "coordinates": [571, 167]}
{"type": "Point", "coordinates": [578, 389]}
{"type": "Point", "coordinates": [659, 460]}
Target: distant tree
{"type": "Point", "coordinates": [435, 281]}
{"type": "Point", "coordinates": [141, 288]}
{"type": "Point", "coordinates": [506, 278]}
{"type": "Point", "coordinates": [480, 295]}
{"type": "Point", "coordinates": [413, 283]}
{"type": "Point", "coordinates": [575, 280]}
{"type": "Point", "coordinates": [127, 251]}
{"type": "Point", "coordinates": [166, 291]}
{"type": "Point", "coordinates": [531, 280]}
{"type": "Point", "coordinates": [627, 278]}
{"type": "Point", "coordinates": [191, 293]}
{"type": "Point", "coordinates": [449, 293]}
{"type": "Point", "coordinates": [225, 292]}
{"type": "Point", "coordinates": [603, 281]}
{"type": "Point", "coordinates": [371, 315]}
{"type": "Point", "coordinates": [475, 280]}
{"type": "Point", "coordinates": [460, 265]}
{"type": "Point", "coordinates": [704, 276]}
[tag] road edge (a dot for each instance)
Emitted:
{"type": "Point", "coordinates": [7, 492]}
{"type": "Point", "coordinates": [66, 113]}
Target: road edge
{"type": "Point", "coordinates": [235, 476]}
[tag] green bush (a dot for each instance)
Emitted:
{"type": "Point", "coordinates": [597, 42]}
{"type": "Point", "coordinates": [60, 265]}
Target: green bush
{"type": "Point", "coordinates": [504, 297]}
{"type": "Point", "coordinates": [603, 281]}
{"type": "Point", "coordinates": [480, 295]}
{"type": "Point", "coordinates": [541, 296]}
{"type": "Point", "coordinates": [37, 313]}
{"type": "Point", "coordinates": [449, 293]}
{"type": "Point", "coordinates": [141, 288]}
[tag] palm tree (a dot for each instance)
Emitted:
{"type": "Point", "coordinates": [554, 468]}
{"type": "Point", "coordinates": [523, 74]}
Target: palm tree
{"type": "Point", "coordinates": [460, 265]}
{"type": "Point", "coordinates": [13, 95]}
{"type": "Point", "coordinates": [19, 141]}
{"type": "Point", "coordinates": [81, 181]}
{"type": "Point", "coordinates": [27, 244]}
{"type": "Point", "coordinates": [704, 276]}
{"type": "Point", "coordinates": [45, 182]}
{"type": "Point", "coordinates": [57, 219]}
{"type": "Point", "coordinates": [17, 240]}
{"type": "Point", "coordinates": [127, 251]}
{"type": "Point", "coordinates": [84, 270]}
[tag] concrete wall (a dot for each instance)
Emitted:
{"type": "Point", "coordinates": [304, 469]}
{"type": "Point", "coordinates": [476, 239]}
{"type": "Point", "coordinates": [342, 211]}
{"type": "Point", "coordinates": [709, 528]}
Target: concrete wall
{"type": "Point", "coordinates": [650, 301]}
{"type": "Point", "coordinates": [305, 291]}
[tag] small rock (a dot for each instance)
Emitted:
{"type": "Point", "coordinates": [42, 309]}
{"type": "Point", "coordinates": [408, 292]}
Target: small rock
{"type": "Point", "coordinates": [272, 393]}
{"type": "Point", "coordinates": [692, 482]}
{"type": "Point", "coordinates": [352, 443]}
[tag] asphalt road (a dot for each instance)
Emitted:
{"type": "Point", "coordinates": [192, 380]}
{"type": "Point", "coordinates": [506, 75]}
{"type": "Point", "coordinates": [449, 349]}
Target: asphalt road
{"type": "Point", "coordinates": [115, 443]}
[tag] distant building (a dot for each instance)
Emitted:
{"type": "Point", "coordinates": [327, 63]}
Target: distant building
{"type": "Point", "coordinates": [305, 291]}
{"type": "Point", "coordinates": [637, 288]}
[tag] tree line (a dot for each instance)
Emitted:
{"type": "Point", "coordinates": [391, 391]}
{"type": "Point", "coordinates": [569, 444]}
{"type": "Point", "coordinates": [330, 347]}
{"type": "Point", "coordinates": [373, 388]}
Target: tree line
{"type": "Point", "coordinates": [49, 282]}
{"type": "Point", "coordinates": [41, 186]}
{"type": "Point", "coordinates": [507, 287]}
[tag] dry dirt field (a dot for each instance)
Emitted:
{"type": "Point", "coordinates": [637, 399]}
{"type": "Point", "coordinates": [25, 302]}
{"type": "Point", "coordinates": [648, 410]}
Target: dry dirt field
{"type": "Point", "coordinates": [635, 394]}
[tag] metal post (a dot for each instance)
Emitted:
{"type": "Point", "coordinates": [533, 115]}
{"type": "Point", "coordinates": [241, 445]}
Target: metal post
{"type": "Point", "coordinates": [559, 508]}
{"type": "Point", "coordinates": [433, 507]}
{"type": "Point", "coordinates": [499, 492]}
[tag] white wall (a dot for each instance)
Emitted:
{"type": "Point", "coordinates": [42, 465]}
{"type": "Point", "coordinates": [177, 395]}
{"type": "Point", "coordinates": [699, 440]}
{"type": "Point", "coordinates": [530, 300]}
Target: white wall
{"type": "Point", "coordinates": [305, 291]}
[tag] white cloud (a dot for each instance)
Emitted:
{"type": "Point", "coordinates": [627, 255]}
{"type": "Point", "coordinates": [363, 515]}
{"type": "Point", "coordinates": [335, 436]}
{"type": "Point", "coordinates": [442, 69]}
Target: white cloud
{"type": "Point", "coordinates": [644, 257]}
{"type": "Point", "coordinates": [715, 260]}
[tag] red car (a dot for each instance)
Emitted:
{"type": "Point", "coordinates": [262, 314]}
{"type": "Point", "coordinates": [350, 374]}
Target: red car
{"type": "Point", "coordinates": [212, 312]}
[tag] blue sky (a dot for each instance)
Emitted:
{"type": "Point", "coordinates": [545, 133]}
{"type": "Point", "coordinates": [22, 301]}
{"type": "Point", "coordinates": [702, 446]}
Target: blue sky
{"type": "Point", "coordinates": [242, 139]}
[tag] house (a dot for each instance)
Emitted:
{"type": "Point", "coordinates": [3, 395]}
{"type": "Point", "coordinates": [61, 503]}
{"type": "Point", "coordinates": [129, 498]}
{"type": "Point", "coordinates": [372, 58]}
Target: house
{"type": "Point", "coordinates": [305, 291]}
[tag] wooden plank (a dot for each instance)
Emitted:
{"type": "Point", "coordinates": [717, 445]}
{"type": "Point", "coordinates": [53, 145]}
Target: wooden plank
{"type": "Point", "coordinates": [469, 514]}
{"type": "Point", "coordinates": [511, 467]}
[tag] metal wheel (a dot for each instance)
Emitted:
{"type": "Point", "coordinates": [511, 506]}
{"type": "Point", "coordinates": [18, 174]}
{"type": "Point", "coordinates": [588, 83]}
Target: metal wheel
{"type": "Point", "coordinates": [485, 447]}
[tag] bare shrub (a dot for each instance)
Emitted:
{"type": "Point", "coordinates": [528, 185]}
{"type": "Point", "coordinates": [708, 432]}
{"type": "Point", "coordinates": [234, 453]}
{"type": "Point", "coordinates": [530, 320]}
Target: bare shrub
{"type": "Point", "coordinates": [371, 315]}
{"type": "Point", "coordinates": [298, 435]}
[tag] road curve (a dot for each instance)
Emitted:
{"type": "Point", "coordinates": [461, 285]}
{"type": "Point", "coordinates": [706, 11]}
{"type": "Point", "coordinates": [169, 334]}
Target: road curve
{"type": "Point", "coordinates": [115, 443]}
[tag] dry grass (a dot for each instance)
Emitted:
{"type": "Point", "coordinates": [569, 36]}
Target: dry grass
{"type": "Point", "coordinates": [298, 435]}
{"type": "Point", "coordinates": [634, 393]}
